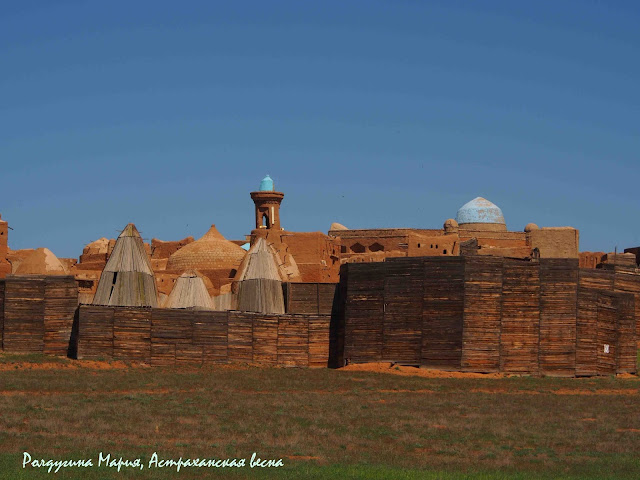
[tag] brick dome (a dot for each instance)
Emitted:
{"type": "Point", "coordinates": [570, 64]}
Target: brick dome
{"type": "Point", "coordinates": [211, 251]}
{"type": "Point", "coordinates": [480, 210]}
{"type": "Point", "coordinates": [41, 262]}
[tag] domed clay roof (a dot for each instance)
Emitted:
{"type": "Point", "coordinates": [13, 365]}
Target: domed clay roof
{"type": "Point", "coordinates": [480, 210]}
{"type": "Point", "coordinates": [211, 251]}
{"type": "Point", "coordinates": [530, 227]}
{"type": "Point", "coordinates": [41, 262]}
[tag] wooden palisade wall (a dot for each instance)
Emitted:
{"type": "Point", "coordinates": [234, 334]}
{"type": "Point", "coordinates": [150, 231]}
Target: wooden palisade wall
{"type": "Point", "coordinates": [179, 337]}
{"type": "Point", "coordinates": [38, 313]}
{"type": "Point", "coordinates": [489, 314]}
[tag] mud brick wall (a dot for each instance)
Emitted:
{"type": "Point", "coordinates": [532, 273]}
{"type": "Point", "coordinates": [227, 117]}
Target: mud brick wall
{"type": "Point", "coordinates": [190, 337]}
{"type": "Point", "coordinates": [38, 313]}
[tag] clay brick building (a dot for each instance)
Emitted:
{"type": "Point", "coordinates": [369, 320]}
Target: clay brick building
{"type": "Point", "coordinates": [479, 226]}
{"type": "Point", "coordinates": [5, 266]}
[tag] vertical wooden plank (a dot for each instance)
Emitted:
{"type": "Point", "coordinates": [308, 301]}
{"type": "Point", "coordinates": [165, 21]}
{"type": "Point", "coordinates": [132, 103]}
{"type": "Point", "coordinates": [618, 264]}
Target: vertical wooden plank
{"type": "Point", "coordinates": [319, 340]}
{"type": "Point", "coordinates": [627, 343]}
{"type": "Point", "coordinates": [591, 282]}
{"type": "Point", "coordinates": [265, 339]}
{"type": "Point", "coordinates": [169, 328]}
{"type": "Point", "coordinates": [607, 347]}
{"type": "Point", "coordinates": [630, 283]}
{"type": "Point", "coordinates": [303, 298]}
{"type": "Point", "coordinates": [210, 330]}
{"type": "Point", "coordinates": [443, 312]}
{"type": "Point", "coordinates": [95, 332]}
{"type": "Point", "coordinates": [132, 334]}
{"type": "Point", "coordinates": [293, 341]}
{"type": "Point", "coordinates": [402, 320]}
{"type": "Point", "coordinates": [364, 312]}
{"type": "Point", "coordinates": [240, 346]}
{"type": "Point", "coordinates": [60, 304]}
{"type": "Point", "coordinates": [24, 314]}
{"type": "Point", "coordinates": [520, 328]}
{"type": "Point", "coordinates": [482, 314]}
{"type": "Point", "coordinates": [326, 297]}
{"type": "Point", "coordinates": [558, 316]}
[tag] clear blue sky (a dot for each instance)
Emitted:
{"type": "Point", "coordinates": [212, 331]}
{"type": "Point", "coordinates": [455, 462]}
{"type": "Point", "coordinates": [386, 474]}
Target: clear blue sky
{"type": "Point", "coordinates": [372, 114]}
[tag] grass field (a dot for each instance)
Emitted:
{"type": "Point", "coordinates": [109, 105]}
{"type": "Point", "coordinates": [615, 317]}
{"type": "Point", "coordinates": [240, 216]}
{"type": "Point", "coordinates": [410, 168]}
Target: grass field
{"type": "Point", "coordinates": [322, 423]}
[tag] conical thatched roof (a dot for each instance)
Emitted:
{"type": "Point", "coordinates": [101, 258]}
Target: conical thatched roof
{"type": "Point", "coordinates": [260, 263]}
{"type": "Point", "coordinates": [127, 278]}
{"type": "Point", "coordinates": [189, 291]}
{"type": "Point", "coordinates": [41, 262]}
{"type": "Point", "coordinates": [260, 288]}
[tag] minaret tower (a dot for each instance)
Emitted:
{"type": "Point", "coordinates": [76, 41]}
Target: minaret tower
{"type": "Point", "coordinates": [267, 202]}
{"type": "Point", "coordinates": [5, 266]}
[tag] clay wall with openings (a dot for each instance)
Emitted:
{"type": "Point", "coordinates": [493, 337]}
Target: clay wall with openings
{"type": "Point", "coordinates": [590, 259]}
{"type": "Point", "coordinates": [316, 255]}
{"type": "Point", "coordinates": [423, 245]}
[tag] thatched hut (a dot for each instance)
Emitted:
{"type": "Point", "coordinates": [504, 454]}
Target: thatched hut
{"type": "Point", "coordinates": [127, 278]}
{"type": "Point", "coordinates": [260, 287]}
{"type": "Point", "coordinates": [189, 291]}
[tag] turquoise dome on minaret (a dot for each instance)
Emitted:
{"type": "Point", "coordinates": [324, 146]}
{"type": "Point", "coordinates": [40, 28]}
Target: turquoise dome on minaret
{"type": "Point", "coordinates": [266, 185]}
{"type": "Point", "coordinates": [480, 210]}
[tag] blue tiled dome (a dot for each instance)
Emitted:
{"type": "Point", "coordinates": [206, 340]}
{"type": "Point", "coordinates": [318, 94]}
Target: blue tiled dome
{"type": "Point", "coordinates": [266, 185]}
{"type": "Point", "coordinates": [480, 210]}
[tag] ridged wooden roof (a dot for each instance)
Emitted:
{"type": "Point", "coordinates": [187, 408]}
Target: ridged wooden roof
{"type": "Point", "coordinates": [189, 291]}
{"type": "Point", "coordinates": [127, 278]}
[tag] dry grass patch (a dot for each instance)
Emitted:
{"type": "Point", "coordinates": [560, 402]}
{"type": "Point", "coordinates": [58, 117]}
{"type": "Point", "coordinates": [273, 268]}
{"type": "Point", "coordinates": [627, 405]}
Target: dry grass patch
{"type": "Point", "coordinates": [326, 420]}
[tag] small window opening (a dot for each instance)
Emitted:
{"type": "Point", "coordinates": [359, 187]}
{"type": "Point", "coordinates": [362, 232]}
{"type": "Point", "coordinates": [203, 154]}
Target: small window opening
{"type": "Point", "coordinates": [376, 247]}
{"type": "Point", "coordinates": [358, 248]}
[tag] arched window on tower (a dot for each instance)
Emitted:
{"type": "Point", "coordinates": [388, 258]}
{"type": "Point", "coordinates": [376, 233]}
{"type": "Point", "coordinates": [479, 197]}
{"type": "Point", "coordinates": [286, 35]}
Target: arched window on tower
{"type": "Point", "coordinates": [265, 220]}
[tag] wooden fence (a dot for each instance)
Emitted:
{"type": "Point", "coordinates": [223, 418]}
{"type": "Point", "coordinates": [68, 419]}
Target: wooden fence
{"type": "Point", "coordinates": [482, 314]}
{"type": "Point", "coordinates": [310, 298]}
{"type": "Point", "coordinates": [38, 313]}
{"type": "Point", "coordinates": [181, 337]}
{"type": "Point", "coordinates": [489, 314]}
